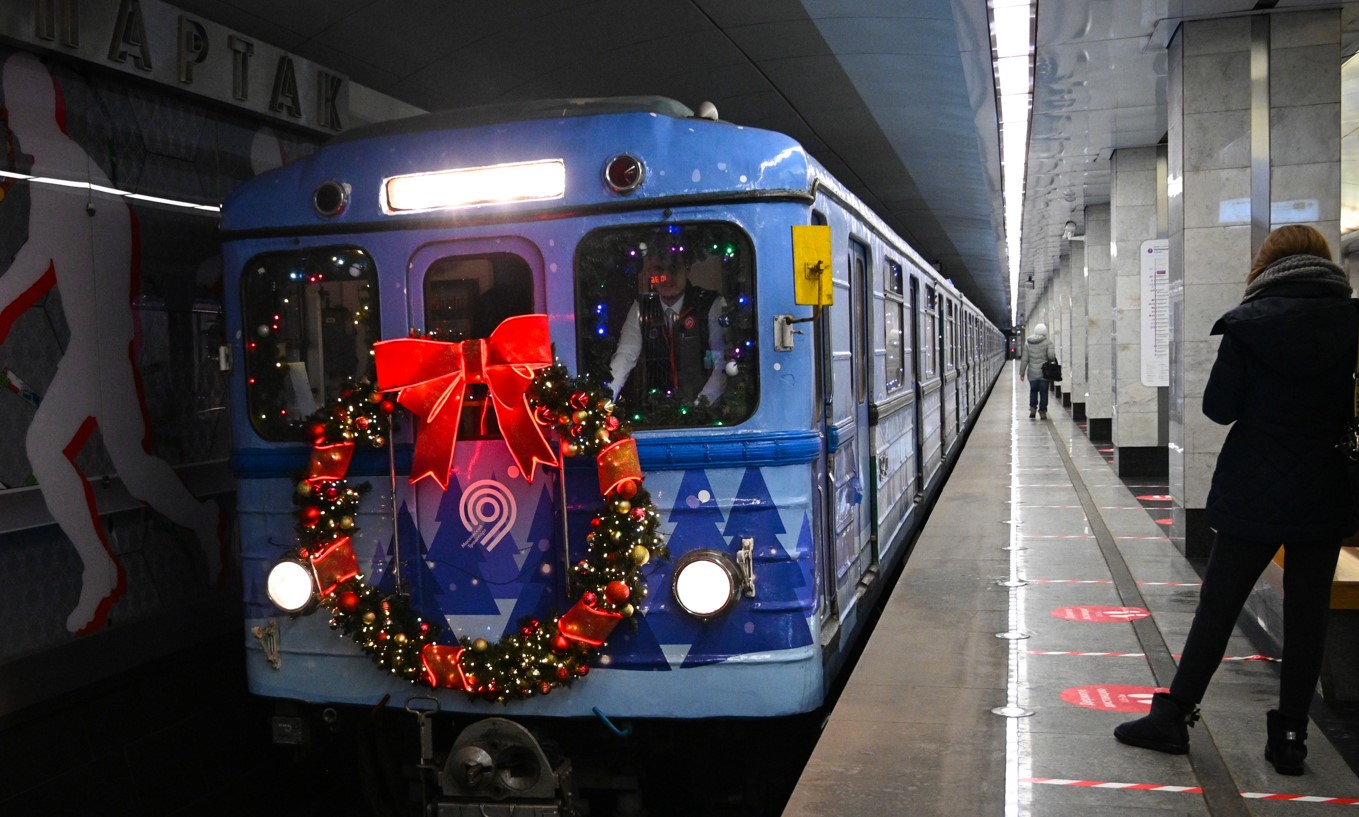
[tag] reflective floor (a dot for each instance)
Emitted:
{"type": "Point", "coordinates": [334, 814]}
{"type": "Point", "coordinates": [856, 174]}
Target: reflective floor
{"type": "Point", "coordinates": [1042, 606]}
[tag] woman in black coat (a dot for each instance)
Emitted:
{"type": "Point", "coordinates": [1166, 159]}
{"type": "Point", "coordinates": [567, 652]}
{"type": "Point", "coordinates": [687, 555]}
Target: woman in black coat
{"type": "Point", "coordinates": [1284, 377]}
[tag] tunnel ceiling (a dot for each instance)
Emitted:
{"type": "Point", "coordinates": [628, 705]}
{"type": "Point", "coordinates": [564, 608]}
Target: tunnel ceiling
{"type": "Point", "coordinates": [895, 97]}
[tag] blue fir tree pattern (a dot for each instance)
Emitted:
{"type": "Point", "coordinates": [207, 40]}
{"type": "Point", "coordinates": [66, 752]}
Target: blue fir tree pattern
{"type": "Point", "coordinates": [775, 619]}
{"type": "Point", "coordinates": [697, 525]}
{"type": "Point", "coordinates": [458, 562]}
{"type": "Point", "coordinates": [541, 577]}
{"type": "Point", "coordinates": [383, 570]}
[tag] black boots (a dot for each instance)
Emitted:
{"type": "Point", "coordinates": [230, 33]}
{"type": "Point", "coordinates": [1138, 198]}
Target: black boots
{"type": "Point", "coordinates": [1166, 729]}
{"type": "Point", "coordinates": [1286, 747]}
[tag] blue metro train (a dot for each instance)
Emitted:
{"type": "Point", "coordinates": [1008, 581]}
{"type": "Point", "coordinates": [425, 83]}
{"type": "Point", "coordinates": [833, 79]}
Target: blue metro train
{"type": "Point", "coordinates": [772, 382]}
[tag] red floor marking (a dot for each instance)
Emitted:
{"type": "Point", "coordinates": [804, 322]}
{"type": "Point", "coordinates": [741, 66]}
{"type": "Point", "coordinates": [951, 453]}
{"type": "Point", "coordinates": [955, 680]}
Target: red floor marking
{"type": "Point", "coordinates": [1165, 521]}
{"type": "Point", "coordinates": [1101, 614]}
{"type": "Point", "coordinates": [1111, 697]}
{"type": "Point", "coordinates": [1249, 795]}
{"type": "Point", "coordinates": [1156, 498]}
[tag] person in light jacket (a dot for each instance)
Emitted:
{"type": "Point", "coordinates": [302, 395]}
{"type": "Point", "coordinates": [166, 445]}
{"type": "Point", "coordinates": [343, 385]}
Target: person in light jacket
{"type": "Point", "coordinates": [1037, 351]}
{"type": "Point", "coordinates": [1283, 379]}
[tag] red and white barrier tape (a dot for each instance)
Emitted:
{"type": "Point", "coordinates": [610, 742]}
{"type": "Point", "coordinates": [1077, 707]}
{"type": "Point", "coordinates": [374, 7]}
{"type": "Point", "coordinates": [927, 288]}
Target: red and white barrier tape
{"type": "Point", "coordinates": [1111, 581]}
{"type": "Point", "coordinates": [1140, 655]}
{"type": "Point", "coordinates": [1249, 795]}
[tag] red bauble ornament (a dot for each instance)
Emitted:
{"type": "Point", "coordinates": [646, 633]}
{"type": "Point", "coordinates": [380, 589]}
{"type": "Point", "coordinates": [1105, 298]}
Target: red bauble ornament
{"type": "Point", "coordinates": [617, 592]}
{"type": "Point", "coordinates": [594, 523]}
{"type": "Point", "coordinates": [582, 670]}
{"type": "Point", "coordinates": [544, 687]}
{"type": "Point", "coordinates": [563, 673]}
{"type": "Point", "coordinates": [347, 602]}
{"type": "Point", "coordinates": [589, 598]}
{"type": "Point", "coordinates": [310, 514]}
{"type": "Point", "coordinates": [361, 423]}
{"type": "Point", "coordinates": [561, 644]}
{"type": "Point", "coordinates": [331, 493]}
{"type": "Point", "coordinates": [639, 513]}
{"type": "Point", "coordinates": [580, 400]}
{"type": "Point", "coordinates": [387, 406]}
{"type": "Point", "coordinates": [317, 429]}
{"type": "Point", "coordinates": [627, 489]}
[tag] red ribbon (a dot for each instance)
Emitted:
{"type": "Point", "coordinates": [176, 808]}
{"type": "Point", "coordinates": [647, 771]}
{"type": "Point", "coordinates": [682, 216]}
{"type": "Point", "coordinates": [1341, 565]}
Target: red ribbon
{"type": "Point", "coordinates": [433, 376]}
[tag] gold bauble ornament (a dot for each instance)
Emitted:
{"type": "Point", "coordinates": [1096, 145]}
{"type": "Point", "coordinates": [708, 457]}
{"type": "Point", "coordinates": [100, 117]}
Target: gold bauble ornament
{"type": "Point", "coordinates": [480, 645]}
{"type": "Point", "coordinates": [640, 555]}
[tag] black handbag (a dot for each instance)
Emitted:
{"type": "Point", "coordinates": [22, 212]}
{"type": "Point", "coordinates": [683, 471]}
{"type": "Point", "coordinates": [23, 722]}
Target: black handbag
{"type": "Point", "coordinates": [1052, 370]}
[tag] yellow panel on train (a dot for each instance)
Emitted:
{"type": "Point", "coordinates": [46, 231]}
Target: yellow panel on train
{"type": "Point", "coordinates": [812, 265]}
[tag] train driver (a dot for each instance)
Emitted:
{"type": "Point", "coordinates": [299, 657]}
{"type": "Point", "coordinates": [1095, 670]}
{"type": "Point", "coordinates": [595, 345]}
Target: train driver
{"type": "Point", "coordinates": [672, 340]}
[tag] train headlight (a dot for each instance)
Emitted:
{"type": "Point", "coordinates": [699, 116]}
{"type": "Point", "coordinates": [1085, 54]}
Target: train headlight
{"type": "Point", "coordinates": [291, 586]}
{"type": "Point", "coordinates": [476, 186]}
{"type": "Point", "coordinates": [705, 583]}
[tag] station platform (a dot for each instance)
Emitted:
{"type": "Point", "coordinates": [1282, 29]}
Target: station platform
{"type": "Point", "coordinates": [977, 698]}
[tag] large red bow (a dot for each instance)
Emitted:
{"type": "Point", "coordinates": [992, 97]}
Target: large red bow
{"type": "Point", "coordinates": [433, 376]}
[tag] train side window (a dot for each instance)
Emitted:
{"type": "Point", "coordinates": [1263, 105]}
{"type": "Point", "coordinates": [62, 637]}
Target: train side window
{"type": "Point", "coordinates": [467, 296]}
{"type": "Point", "coordinates": [310, 317]}
{"type": "Point", "coordinates": [665, 313]}
{"type": "Point", "coordinates": [893, 323]}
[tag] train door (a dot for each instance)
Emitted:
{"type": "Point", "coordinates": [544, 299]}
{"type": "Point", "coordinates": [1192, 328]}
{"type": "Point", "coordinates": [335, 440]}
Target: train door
{"type": "Point", "coordinates": [844, 367]}
{"type": "Point", "coordinates": [917, 380]}
{"type": "Point", "coordinates": [479, 537]}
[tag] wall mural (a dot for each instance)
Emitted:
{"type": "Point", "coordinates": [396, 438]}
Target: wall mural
{"type": "Point", "coordinates": [110, 324]}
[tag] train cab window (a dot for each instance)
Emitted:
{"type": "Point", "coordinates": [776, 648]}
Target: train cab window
{"type": "Point", "coordinates": [665, 313]}
{"type": "Point", "coordinates": [467, 296]}
{"type": "Point", "coordinates": [310, 318]}
{"type": "Point", "coordinates": [893, 323]}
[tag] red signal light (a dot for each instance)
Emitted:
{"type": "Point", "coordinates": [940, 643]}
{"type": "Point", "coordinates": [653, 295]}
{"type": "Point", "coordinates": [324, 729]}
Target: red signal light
{"type": "Point", "coordinates": [623, 173]}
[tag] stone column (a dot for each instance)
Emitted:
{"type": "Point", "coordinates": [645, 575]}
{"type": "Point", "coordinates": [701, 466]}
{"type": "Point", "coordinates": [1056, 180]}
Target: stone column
{"type": "Point", "coordinates": [1132, 223]}
{"type": "Point", "coordinates": [1099, 323]}
{"type": "Point", "coordinates": [1074, 366]}
{"type": "Point", "coordinates": [1254, 120]}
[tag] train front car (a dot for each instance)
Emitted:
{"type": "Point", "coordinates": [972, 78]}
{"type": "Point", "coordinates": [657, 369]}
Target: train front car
{"type": "Point", "coordinates": [526, 283]}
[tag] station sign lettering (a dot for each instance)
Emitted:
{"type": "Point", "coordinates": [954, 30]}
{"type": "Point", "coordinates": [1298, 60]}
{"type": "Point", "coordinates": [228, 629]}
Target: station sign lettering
{"type": "Point", "coordinates": [154, 40]}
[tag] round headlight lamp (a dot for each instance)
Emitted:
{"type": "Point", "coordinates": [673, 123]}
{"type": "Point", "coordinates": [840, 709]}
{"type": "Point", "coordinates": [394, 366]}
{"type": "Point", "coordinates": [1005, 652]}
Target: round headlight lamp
{"type": "Point", "coordinates": [705, 583]}
{"type": "Point", "coordinates": [291, 586]}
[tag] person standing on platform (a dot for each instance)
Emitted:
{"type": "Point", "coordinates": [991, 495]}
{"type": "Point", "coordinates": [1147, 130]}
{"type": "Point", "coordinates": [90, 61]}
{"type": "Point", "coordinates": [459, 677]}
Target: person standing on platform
{"type": "Point", "coordinates": [1283, 376]}
{"type": "Point", "coordinates": [1037, 351]}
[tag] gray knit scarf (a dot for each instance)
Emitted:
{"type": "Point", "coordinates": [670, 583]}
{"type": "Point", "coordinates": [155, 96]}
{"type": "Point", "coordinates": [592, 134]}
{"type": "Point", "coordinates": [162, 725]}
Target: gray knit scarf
{"type": "Point", "coordinates": [1297, 269]}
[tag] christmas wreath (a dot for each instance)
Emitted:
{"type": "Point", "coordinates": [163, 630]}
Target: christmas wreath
{"type": "Point", "coordinates": [531, 394]}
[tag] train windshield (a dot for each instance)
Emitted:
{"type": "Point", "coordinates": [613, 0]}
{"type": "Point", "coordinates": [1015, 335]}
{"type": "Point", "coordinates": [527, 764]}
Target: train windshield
{"type": "Point", "coordinates": [665, 313]}
{"type": "Point", "coordinates": [311, 318]}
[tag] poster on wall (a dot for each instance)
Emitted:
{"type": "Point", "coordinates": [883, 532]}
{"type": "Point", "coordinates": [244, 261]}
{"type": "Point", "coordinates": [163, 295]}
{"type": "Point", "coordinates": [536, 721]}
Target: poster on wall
{"type": "Point", "coordinates": [1155, 257]}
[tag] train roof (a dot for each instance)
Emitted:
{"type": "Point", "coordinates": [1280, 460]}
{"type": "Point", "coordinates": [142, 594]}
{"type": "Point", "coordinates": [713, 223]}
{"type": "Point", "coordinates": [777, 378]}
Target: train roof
{"type": "Point", "coordinates": [685, 159]}
{"type": "Point", "coordinates": [519, 112]}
